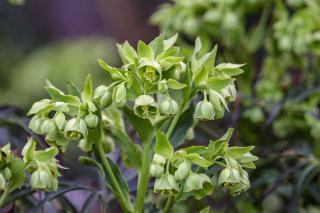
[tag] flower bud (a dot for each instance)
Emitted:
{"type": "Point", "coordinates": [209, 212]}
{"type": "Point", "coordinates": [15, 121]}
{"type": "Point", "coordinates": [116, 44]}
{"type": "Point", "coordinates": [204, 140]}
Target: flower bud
{"type": "Point", "coordinates": [156, 170]}
{"type": "Point", "coordinates": [76, 129]}
{"type": "Point", "coordinates": [2, 182]}
{"type": "Point", "coordinates": [92, 120]}
{"type": "Point", "coordinates": [166, 184]}
{"type": "Point", "coordinates": [107, 144]}
{"type": "Point", "coordinates": [229, 92]}
{"type": "Point", "coordinates": [169, 107]}
{"type": "Point", "coordinates": [183, 170]}
{"type": "Point", "coordinates": [100, 91]}
{"type": "Point", "coordinates": [193, 182]}
{"type": "Point", "coordinates": [150, 71]}
{"type": "Point", "coordinates": [36, 123]}
{"type": "Point", "coordinates": [60, 120]}
{"type": "Point", "coordinates": [145, 107]}
{"type": "Point", "coordinates": [40, 179]}
{"type": "Point", "coordinates": [7, 173]}
{"type": "Point", "coordinates": [106, 99]}
{"type": "Point", "coordinates": [204, 111]}
{"type": "Point", "coordinates": [119, 95]}
{"type": "Point", "coordinates": [158, 159]}
{"type": "Point", "coordinates": [49, 127]}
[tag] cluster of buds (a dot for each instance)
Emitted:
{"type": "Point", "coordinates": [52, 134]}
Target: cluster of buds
{"type": "Point", "coordinates": [178, 172]}
{"type": "Point", "coordinates": [11, 170]}
{"type": "Point", "coordinates": [215, 81]}
{"type": "Point", "coordinates": [173, 171]}
{"type": "Point", "coordinates": [147, 77]}
{"type": "Point", "coordinates": [65, 117]}
{"type": "Point", "coordinates": [42, 166]}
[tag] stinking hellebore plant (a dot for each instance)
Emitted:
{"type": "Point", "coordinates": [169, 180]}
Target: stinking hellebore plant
{"type": "Point", "coordinates": [156, 90]}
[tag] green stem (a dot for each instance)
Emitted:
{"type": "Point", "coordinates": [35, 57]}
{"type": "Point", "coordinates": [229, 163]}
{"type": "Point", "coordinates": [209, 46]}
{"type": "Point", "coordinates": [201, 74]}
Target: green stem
{"type": "Point", "coordinates": [173, 124]}
{"type": "Point", "coordinates": [143, 178]}
{"type": "Point", "coordinates": [169, 204]}
{"type": "Point", "coordinates": [3, 197]}
{"type": "Point", "coordinates": [124, 202]}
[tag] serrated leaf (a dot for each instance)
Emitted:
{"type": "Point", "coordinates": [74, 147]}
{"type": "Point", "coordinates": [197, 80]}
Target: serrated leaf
{"type": "Point", "coordinates": [163, 146]}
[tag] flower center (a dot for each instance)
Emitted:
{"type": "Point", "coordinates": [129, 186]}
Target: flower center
{"type": "Point", "coordinates": [150, 74]}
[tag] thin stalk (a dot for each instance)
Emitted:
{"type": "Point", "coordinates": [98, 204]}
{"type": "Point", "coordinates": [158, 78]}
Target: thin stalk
{"type": "Point", "coordinates": [143, 178]}
{"type": "Point", "coordinates": [3, 197]}
{"type": "Point", "coordinates": [169, 204]}
{"type": "Point", "coordinates": [124, 202]}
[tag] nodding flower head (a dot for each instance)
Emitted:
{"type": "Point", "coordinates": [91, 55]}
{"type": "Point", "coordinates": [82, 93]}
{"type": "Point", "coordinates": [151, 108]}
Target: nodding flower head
{"type": "Point", "coordinates": [169, 107]}
{"type": "Point", "coordinates": [76, 129]}
{"type": "Point", "coordinates": [150, 71]}
{"type": "Point", "coordinates": [204, 111]}
{"type": "Point", "coordinates": [145, 107]}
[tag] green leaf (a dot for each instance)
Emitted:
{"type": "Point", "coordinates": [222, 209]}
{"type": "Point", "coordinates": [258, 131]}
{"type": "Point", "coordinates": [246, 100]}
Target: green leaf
{"type": "Point", "coordinates": [218, 84]}
{"type": "Point", "coordinates": [113, 72]}
{"type": "Point", "coordinates": [173, 84]}
{"type": "Point", "coordinates": [157, 44]}
{"type": "Point", "coordinates": [127, 52]}
{"type": "Point", "coordinates": [201, 78]}
{"type": "Point", "coordinates": [230, 69]}
{"type": "Point", "coordinates": [205, 210]}
{"type": "Point", "coordinates": [198, 160]}
{"type": "Point", "coordinates": [218, 147]}
{"type": "Point", "coordinates": [59, 96]}
{"type": "Point", "coordinates": [184, 123]}
{"type": "Point", "coordinates": [195, 149]}
{"type": "Point", "coordinates": [236, 152]}
{"type": "Point", "coordinates": [145, 51]}
{"type": "Point", "coordinates": [43, 106]}
{"type": "Point", "coordinates": [143, 127]}
{"type": "Point", "coordinates": [163, 146]}
{"type": "Point", "coordinates": [87, 161]}
{"type": "Point", "coordinates": [46, 155]}
{"type": "Point", "coordinates": [128, 147]}
{"type": "Point", "coordinates": [168, 43]}
{"type": "Point", "coordinates": [87, 89]}
{"type": "Point", "coordinates": [73, 89]}
{"type": "Point", "coordinates": [17, 168]}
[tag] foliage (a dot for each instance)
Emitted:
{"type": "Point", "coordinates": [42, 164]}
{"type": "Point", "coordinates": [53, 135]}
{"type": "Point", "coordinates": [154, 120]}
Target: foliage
{"type": "Point", "coordinates": [155, 90]}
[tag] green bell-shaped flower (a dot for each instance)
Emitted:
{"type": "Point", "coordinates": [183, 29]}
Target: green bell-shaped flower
{"type": "Point", "coordinates": [149, 71]}
{"type": "Point", "coordinates": [206, 189]}
{"type": "Point", "coordinates": [166, 184]}
{"type": "Point", "coordinates": [159, 159]}
{"type": "Point", "coordinates": [3, 182]}
{"type": "Point", "coordinates": [156, 170]}
{"type": "Point", "coordinates": [169, 107]}
{"type": "Point", "coordinates": [36, 123]}
{"type": "Point", "coordinates": [229, 92]}
{"type": "Point", "coordinates": [76, 129]}
{"type": "Point", "coordinates": [41, 179]}
{"type": "Point", "coordinates": [60, 120]}
{"type": "Point", "coordinates": [183, 170]}
{"type": "Point", "coordinates": [49, 127]}
{"type": "Point", "coordinates": [199, 184]}
{"type": "Point", "coordinates": [106, 99]}
{"type": "Point", "coordinates": [92, 120]}
{"type": "Point", "coordinates": [204, 111]}
{"type": "Point", "coordinates": [145, 107]}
